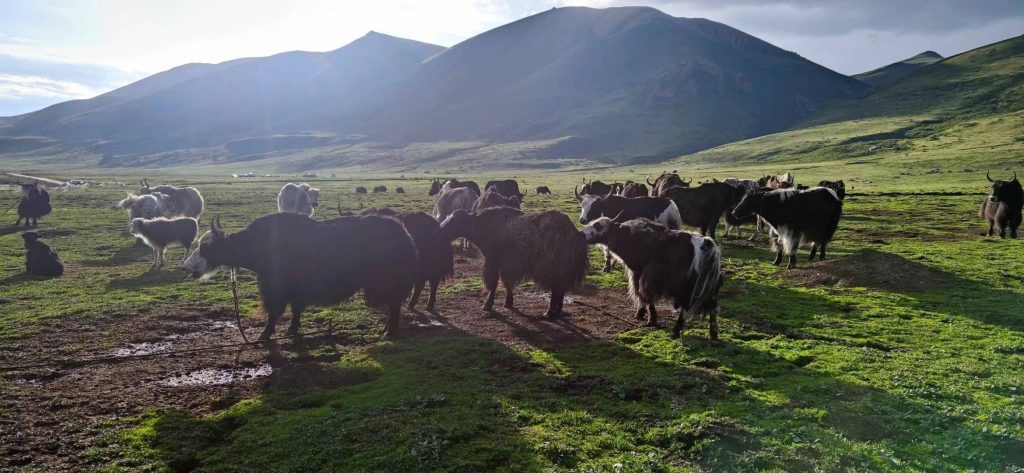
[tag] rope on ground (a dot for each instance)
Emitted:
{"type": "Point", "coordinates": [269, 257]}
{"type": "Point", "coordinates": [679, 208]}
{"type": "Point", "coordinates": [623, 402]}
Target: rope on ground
{"type": "Point", "coordinates": [118, 359]}
{"type": "Point", "coordinates": [605, 312]}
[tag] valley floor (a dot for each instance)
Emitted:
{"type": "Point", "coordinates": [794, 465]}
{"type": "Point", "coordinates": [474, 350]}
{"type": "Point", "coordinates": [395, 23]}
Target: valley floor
{"type": "Point", "coordinates": [903, 352]}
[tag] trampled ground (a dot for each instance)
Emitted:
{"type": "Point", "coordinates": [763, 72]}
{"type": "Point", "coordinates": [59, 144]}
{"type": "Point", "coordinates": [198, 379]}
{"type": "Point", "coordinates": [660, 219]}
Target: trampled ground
{"type": "Point", "coordinates": [902, 352]}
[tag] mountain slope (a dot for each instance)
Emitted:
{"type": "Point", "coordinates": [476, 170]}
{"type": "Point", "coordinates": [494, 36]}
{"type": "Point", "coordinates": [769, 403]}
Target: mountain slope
{"type": "Point", "coordinates": [888, 75]}
{"type": "Point", "coordinates": [621, 82]}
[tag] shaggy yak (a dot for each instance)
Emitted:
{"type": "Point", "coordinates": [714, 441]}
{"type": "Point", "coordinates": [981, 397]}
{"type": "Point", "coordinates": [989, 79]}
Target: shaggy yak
{"type": "Point", "coordinates": [492, 198]}
{"type": "Point", "coordinates": [360, 190]}
{"type": "Point", "coordinates": [434, 251]}
{"type": "Point", "coordinates": [437, 184]}
{"type": "Point", "coordinates": [1002, 207]}
{"type": "Point", "coordinates": [301, 262]}
{"type": "Point", "coordinates": [185, 201]}
{"type": "Point", "coordinates": [544, 247]}
{"type": "Point", "coordinates": [298, 198]}
{"type": "Point", "coordinates": [161, 232]}
{"type": "Point", "coordinates": [794, 216]}
{"type": "Point", "coordinates": [663, 263]}
{"type": "Point", "coordinates": [40, 259]}
{"type": "Point", "coordinates": [665, 181]}
{"type": "Point", "coordinates": [543, 190]}
{"type": "Point", "coordinates": [35, 203]}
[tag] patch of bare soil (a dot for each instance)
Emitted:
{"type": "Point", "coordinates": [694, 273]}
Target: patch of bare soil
{"type": "Point", "coordinates": [871, 269]}
{"type": "Point", "coordinates": [50, 416]}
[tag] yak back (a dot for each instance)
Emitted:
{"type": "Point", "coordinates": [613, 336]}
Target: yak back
{"type": "Point", "coordinates": [547, 248]}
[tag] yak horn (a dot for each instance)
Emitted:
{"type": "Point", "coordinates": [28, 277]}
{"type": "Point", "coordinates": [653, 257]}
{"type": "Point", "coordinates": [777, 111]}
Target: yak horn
{"type": "Point", "coordinates": [576, 191]}
{"type": "Point", "coordinates": [649, 180]}
{"type": "Point", "coordinates": [618, 217]}
{"type": "Point", "coordinates": [1014, 176]}
{"type": "Point", "coordinates": [989, 176]}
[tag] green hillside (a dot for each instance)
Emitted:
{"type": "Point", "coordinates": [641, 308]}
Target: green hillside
{"type": "Point", "coordinates": [958, 117]}
{"type": "Point", "coordinates": [888, 75]}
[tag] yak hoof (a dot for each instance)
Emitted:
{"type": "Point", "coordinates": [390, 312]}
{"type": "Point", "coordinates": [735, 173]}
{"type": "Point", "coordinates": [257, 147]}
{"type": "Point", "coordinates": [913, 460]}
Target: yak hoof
{"type": "Point", "coordinates": [651, 323]}
{"type": "Point", "coordinates": [265, 336]}
{"type": "Point", "coordinates": [488, 307]}
{"type": "Point", "coordinates": [675, 333]}
{"type": "Point", "coordinates": [508, 305]}
{"type": "Point", "coordinates": [551, 314]}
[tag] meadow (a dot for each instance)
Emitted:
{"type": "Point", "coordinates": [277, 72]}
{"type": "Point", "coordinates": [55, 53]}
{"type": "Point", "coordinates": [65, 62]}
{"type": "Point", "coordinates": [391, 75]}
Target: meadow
{"type": "Point", "coordinates": [900, 353]}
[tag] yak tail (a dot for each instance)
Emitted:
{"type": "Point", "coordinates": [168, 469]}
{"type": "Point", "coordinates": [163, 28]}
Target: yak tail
{"type": "Point", "coordinates": [708, 265]}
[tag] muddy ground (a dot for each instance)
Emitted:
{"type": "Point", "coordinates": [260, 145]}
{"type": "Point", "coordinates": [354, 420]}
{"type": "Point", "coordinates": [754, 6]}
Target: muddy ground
{"type": "Point", "coordinates": [51, 415]}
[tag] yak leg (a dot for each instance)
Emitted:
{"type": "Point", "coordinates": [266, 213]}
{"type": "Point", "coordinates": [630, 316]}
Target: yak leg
{"type": "Point", "coordinates": [490, 282]}
{"type": "Point", "coordinates": [1013, 232]}
{"type": "Point", "coordinates": [274, 311]}
{"type": "Point", "coordinates": [509, 287]}
{"type": "Point", "coordinates": [778, 257]}
{"type": "Point", "coordinates": [713, 228]}
{"type": "Point", "coordinates": [652, 318]}
{"type": "Point", "coordinates": [293, 327]}
{"type": "Point", "coordinates": [433, 294]}
{"type": "Point", "coordinates": [555, 306]}
{"type": "Point", "coordinates": [991, 227]}
{"type": "Point", "coordinates": [1002, 231]}
{"type": "Point", "coordinates": [394, 315]}
{"type": "Point", "coordinates": [814, 251]}
{"type": "Point", "coordinates": [680, 322]}
{"type": "Point", "coordinates": [821, 251]}
{"type": "Point", "coordinates": [608, 263]}
{"type": "Point", "coordinates": [416, 293]}
{"type": "Point", "coordinates": [713, 324]}
{"type": "Point", "coordinates": [18, 222]}
{"type": "Point", "coordinates": [641, 312]}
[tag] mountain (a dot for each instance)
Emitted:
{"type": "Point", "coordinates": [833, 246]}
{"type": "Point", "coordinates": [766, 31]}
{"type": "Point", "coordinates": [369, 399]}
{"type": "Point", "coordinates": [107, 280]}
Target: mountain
{"type": "Point", "coordinates": [615, 84]}
{"type": "Point", "coordinates": [888, 75]}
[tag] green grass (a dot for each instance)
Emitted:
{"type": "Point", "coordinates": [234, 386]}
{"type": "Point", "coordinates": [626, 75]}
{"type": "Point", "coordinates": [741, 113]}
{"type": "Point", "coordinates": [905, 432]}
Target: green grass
{"type": "Point", "coordinates": [808, 376]}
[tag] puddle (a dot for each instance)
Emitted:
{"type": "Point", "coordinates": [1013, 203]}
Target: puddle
{"type": "Point", "coordinates": [427, 323]}
{"type": "Point", "coordinates": [218, 376]}
{"type": "Point", "coordinates": [145, 348]}
{"type": "Point", "coordinates": [183, 336]}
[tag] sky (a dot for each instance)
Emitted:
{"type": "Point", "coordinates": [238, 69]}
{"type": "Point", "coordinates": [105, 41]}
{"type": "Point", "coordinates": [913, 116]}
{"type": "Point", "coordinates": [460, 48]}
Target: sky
{"type": "Point", "coordinates": [57, 50]}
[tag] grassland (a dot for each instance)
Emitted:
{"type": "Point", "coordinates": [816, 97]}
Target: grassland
{"type": "Point", "coordinates": [902, 353]}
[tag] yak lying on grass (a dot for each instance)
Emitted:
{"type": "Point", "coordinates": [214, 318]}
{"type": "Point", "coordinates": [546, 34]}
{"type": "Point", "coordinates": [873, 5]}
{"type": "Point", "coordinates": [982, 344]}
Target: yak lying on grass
{"type": "Point", "coordinates": [40, 259]}
{"type": "Point", "coordinates": [1002, 208]}
{"type": "Point", "coordinates": [161, 232]}
{"type": "Point", "coordinates": [663, 263]}
{"type": "Point", "coordinates": [301, 262]}
{"type": "Point", "coordinates": [810, 215]}
{"type": "Point", "coordinates": [544, 247]}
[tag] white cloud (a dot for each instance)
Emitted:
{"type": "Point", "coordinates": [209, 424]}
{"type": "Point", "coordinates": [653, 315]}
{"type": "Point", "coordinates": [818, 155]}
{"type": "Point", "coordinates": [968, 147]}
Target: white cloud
{"type": "Point", "coordinates": [15, 87]}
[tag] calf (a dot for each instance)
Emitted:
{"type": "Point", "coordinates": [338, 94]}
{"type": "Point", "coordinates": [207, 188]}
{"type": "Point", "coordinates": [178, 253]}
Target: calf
{"type": "Point", "coordinates": [543, 190]}
{"type": "Point", "coordinates": [1002, 207]}
{"type": "Point", "coordinates": [40, 259]}
{"type": "Point", "coordinates": [659, 209]}
{"type": "Point", "coordinates": [159, 233]}
{"type": "Point", "coordinates": [731, 221]}
{"type": "Point", "coordinates": [703, 206]}
{"type": "Point", "coordinates": [544, 247]}
{"type": "Point", "coordinates": [794, 216]}
{"type": "Point", "coordinates": [491, 198]}
{"type": "Point", "coordinates": [301, 262]}
{"type": "Point", "coordinates": [663, 263]}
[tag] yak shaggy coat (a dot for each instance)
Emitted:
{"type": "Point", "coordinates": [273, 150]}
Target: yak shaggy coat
{"type": "Point", "coordinates": [809, 215]}
{"type": "Point", "coordinates": [40, 259]}
{"type": "Point", "coordinates": [544, 247]}
{"type": "Point", "coordinates": [301, 262]}
{"type": "Point", "coordinates": [663, 263]}
{"type": "Point", "coordinates": [1002, 207]}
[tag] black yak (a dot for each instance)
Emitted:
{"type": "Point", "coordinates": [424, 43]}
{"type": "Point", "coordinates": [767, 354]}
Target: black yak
{"type": "Point", "coordinates": [543, 190]}
{"type": "Point", "coordinates": [360, 190]}
{"type": "Point", "coordinates": [40, 259]}
{"type": "Point", "coordinates": [380, 189]}
{"type": "Point", "coordinates": [663, 263]}
{"type": "Point", "coordinates": [794, 216]}
{"type": "Point", "coordinates": [161, 232]}
{"type": "Point", "coordinates": [634, 189]}
{"type": "Point", "coordinates": [507, 187]}
{"type": "Point", "coordinates": [544, 247]}
{"type": "Point", "coordinates": [595, 188]}
{"type": "Point", "coordinates": [666, 181]}
{"type": "Point", "coordinates": [703, 206]}
{"type": "Point", "coordinates": [659, 209]}
{"type": "Point", "coordinates": [1002, 207]}
{"type": "Point", "coordinates": [35, 203]}
{"type": "Point", "coordinates": [301, 262]}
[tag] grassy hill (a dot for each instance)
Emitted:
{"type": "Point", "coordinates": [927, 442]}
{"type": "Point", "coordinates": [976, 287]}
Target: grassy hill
{"type": "Point", "coordinates": [888, 75]}
{"type": "Point", "coordinates": [939, 128]}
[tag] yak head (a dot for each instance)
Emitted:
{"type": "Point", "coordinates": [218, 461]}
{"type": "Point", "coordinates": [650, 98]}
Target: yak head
{"type": "Point", "coordinates": [750, 203]}
{"type": "Point", "coordinates": [144, 187]}
{"type": "Point", "coordinates": [592, 206]}
{"type": "Point", "coordinates": [599, 230]}
{"type": "Point", "coordinates": [458, 225]}
{"type": "Point", "coordinates": [435, 187]}
{"type": "Point", "coordinates": [203, 263]}
{"type": "Point", "coordinates": [30, 237]}
{"type": "Point", "coordinates": [1009, 192]}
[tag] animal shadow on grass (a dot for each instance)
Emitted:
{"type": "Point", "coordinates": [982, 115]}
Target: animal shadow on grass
{"type": "Point", "coordinates": [167, 275]}
{"type": "Point", "coordinates": [22, 277]}
{"type": "Point", "coordinates": [126, 255]}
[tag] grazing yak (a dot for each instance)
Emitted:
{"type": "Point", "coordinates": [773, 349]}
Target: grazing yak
{"type": "Point", "coordinates": [491, 198]}
{"type": "Point", "coordinates": [301, 262]}
{"type": "Point", "coordinates": [40, 259]}
{"type": "Point", "coordinates": [507, 187]}
{"type": "Point", "coordinates": [544, 247]}
{"type": "Point", "coordinates": [838, 186]}
{"type": "Point", "coordinates": [380, 189]}
{"type": "Point", "coordinates": [595, 188]}
{"type": "Point", "coordinates": [34, 203]}
{"type": "Point", "coordinates": [659, 209]}
{"type": "Point", "coordinates": [543, 190]}
{"type": "Point", "coordinates": [663, 263]}
{"type": "Point", "coordinates": [161, 232]}
{"type": "Point", "coordinates": [298, 198]}
{"type": "Point", "coordinates": [360, 190]}
{"type": "Point", "coordinates": [436, 258]}
{"type": "Point", "coordinates": [1002, 206]}
{"type": "Point", "coordinates": [733, 222]}
{"type": "Point", "coordinates": [437, 184]}
{"type": "Point", "coordinates": [666, 181]}
{"type": "Point", "coordinates": [703, 206]}
{"type": "Point", "coordinates": [634, 189]}
{"type": "Point", "coordinates": [794, 216]}
{"type": "Point", "coordinates": [399, 190]}
{"type": "Point", "coordinates": [185, 201]}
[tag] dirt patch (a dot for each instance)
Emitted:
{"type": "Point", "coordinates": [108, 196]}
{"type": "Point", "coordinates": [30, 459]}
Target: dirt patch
{"type": "Point", "coordinates": [872, 269]}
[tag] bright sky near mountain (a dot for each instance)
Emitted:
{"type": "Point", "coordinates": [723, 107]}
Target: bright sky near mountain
{"type": "Point", "coordinates": [51, 51]}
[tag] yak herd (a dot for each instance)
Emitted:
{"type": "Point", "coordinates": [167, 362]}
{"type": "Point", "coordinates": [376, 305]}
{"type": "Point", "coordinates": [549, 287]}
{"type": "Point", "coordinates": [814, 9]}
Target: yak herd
{"type": "Point", "coordinates": [301, 261]}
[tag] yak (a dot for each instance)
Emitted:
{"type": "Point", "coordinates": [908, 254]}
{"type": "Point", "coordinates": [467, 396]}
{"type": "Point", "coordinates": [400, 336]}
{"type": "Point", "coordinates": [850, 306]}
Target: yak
{"type": "Point", "coordinates": [298, 198]}
{"type": "Point", "coordinates": [40, 258]}
{"type": "Point", "coordinates": [185, 201]}
{"type": "Point", "coordinates": [34, 203]}
{"type": "Point", "coordinates": [300, 262]}
{"type": "Point", "coordinates": [659, 209]}
{"type": "Point", "coordinates": [595, 188]}
{"type": "Point", "coordinates": [663, 263]}
{"type": "Point", "coordinates": [491, 198]}
{"type": "Point", "coordinates": [703, 206]}
{"type": "Point", "coordinates": [794, 216]}
{"type": "Point", "coordinates": [634, 189]}
{"type": "Point", "coordinates": [666, 181]}
{"type": "Point", "coordinates": [437, 184]}
{"type": "Point", "coordinates": [1002, 206]}
{"type": "Point", "coordinates": [543, 190]}
{"type": "Point", "coordinates": [507, 187]}
{"type": "Point", "coordinates": [544, 247]}
{"type": "Point", "coordinates": [161, 232]}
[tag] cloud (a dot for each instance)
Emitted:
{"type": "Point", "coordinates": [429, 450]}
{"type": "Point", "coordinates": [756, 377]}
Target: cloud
{"type": "Point", "coordinates": [15, 86]}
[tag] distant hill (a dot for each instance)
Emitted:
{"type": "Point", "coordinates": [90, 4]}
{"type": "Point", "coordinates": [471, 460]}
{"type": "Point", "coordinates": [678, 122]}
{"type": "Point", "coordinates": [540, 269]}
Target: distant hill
{"type": "Point", "coordinates": [888, 75]}
{"type": "Point", "coordinates": [616, 84]}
